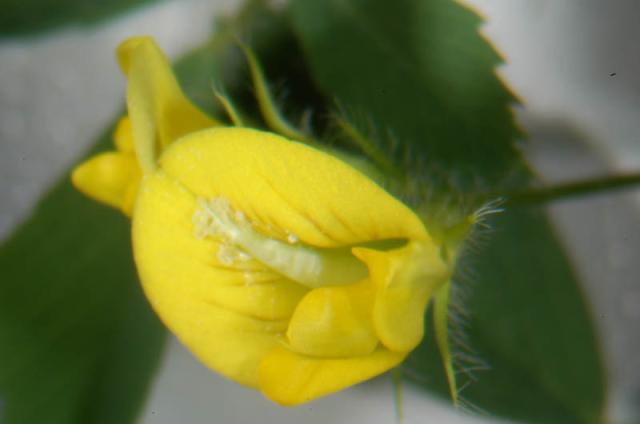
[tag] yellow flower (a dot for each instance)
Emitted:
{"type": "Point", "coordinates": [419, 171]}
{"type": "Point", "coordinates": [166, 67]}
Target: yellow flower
{"type": "Point", "coordinates": [278, 265]}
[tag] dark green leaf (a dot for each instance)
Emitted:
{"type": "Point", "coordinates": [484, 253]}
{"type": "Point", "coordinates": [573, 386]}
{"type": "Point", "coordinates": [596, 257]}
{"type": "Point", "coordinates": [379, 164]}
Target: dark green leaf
{"type": "Point", "coordinates": [419, 70]}
{"type": "Point", "coordinates": [421, 75]}
{"type": "Point", "coordinates": [78, 342]}
{"type": "Point", "coordinates": [21, 17]}
{"type": "Point", "coordinates": [529, 324]}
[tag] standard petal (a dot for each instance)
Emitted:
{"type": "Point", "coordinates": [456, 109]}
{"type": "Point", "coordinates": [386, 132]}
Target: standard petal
{"type": "Point", "coordinates": [158, 109]}
{"type": "Point", "coordinates": [289, 190]}
{"type": "Point", "coordinates": [291, 379]}
{"type": "Point", "coordinates": [405, 279]}
{"type": "Point", "coordinates": [334, 322]}
{"type": "Point", "coordinates": [111, 178]}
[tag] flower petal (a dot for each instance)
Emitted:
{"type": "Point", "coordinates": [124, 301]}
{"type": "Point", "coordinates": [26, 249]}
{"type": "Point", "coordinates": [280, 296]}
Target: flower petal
{"type": "Point", "coordinates": [228, 314]}
{"type": "Point", "coordinates": [230, 343]}
{"type": "Point", "coordinates": [174, 262]}
{"type": "Point", "coordinates": [111, 178]}
{"type": "Point", "coordinates": [289, 189]}
{"type": "Point", "coordinates": [334, 322]}
{"type": "Point", "coordinates": [159, 110]}
{"type": "Point", "coordinates": [405, 279]}
{"type": "Point", "coordinates": [291, 379]}
{"type": "Point", "coordinates": [123, 136]}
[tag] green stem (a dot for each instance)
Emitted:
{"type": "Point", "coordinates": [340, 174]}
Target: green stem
{"type": "Point", "coordinates": [397, 394]}
{"type": "Point", "coordinates": [573, 189]}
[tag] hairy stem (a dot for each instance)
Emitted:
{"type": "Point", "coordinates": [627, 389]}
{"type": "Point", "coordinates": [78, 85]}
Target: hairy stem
{"type": "Point", "coordinates": [572, 189]}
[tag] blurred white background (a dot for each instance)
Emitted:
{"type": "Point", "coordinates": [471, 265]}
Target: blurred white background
{"type": "Point", "coordinates": [574, 63]}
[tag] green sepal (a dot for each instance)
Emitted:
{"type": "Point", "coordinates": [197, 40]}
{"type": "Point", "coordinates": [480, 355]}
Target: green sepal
{"type": "Point", "coordinates": [441, 328]}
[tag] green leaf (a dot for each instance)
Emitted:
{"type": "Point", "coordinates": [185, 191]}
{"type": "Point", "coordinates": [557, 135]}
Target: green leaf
{"type": "Point", "coordinates": [78, 341]}
{"type": "Point", "coordinates": [419, 73]}
{"type": "Point", "coordinates": [528, 322]}
{"type": "Point", "coordinates": [21, 17]}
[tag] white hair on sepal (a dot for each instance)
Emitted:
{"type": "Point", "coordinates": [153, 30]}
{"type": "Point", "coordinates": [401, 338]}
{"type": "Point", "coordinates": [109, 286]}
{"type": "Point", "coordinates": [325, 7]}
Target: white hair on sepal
{"type": "Point", "coordinates": [306, 121]}
{"type": "Point", "coordinates": [466, 361]}
{"type": "Point", "coordinates": [471, 408]}
{"type": "Point", "coordinates": [481, 229]}
{"type": "Point", "coordinates": [492, 207]}
{"type": "Point", "coordinates": [374, 141]}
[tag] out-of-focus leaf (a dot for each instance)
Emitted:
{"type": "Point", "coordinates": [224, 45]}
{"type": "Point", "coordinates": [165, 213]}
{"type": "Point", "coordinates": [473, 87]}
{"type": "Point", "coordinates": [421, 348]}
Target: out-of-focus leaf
{"type": "Point", "coordinates": [78, 342]}
{"type": "Point", "coordinates": [20, 17]}
{"type": "Point", "coordinates": [420, 70]}
{"type": "Point", "coordinates": [420, 74]}
{"type": "Point", "coordinates": [528, 323]}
